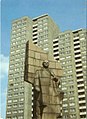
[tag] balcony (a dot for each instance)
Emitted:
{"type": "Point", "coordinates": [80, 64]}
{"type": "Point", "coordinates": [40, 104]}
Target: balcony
{"type": "Point", "coordinates": [81, 90]}
{"type": "Point", "coordinates": [76, 56]}
{"type": "Point", "coordinates": [55, 40]}
{"type": "Point", "coordinates": [34, 36]}
{"type": "Point", "coordinates": [82, 113]}
{"type": "Point", "coordinates": [81, 96]}
{"type": "Point", "coordinates": [78, 69]}
{"type": "Point", "coordinates": [82, 107]}
{"type": "Point", "coordinates": [35, 28]}
{"type": "Point", "coordinates": [80, 85]}
{"type": "Point", "coordinates": [82, 101]}
{"type": "Point", "coordinates": [77, 37]}
{"type": "Point", "coordinates": [80, 74]}
{"type": "Point", "coordinates": [35, 25]}
{"type": "Point", "coordinates": [75, 51]}
{"type": "Point", "coordinates": [78, 80]}
{"type": "Point", "coordinates": [78, 60]}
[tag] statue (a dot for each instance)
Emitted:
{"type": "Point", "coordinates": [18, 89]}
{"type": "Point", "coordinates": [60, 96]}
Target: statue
{"type": "Point", "coordinates": [46, 101]}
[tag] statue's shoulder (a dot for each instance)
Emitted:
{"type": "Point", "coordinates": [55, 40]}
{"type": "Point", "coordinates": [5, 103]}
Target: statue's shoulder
{"type": "Point", "coordinates": [38, 71]}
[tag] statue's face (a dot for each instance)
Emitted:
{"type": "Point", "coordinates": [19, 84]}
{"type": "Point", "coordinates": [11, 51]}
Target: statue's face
{"type": "Point", "coordinates": [45, 64]}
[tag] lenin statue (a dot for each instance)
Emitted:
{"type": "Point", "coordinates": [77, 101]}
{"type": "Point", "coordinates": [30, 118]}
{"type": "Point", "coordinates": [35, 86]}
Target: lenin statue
{"type": "Point", "coordinates": [46, 103]}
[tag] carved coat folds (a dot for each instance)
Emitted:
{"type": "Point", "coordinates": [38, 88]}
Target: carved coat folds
{"type": "Point", "coordinates": [46, 89]}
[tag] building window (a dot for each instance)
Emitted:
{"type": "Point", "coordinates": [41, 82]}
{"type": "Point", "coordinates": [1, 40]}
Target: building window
{"type": "Point", "coordinates": [65, 93]}
{"type": "Point", "coordinates": [79, 67]}
{"type": "Point", "coordinates": [21, 93]}
{"type": "Point", "coordinates": [21, 88]}
{"type": "Point", "coordinates": [72, 110]}
{"type": "Point", "coordinates": [63, 83]}
{"type": "Point", "coordinates": [9, 95]}
{"type": "Point", "coordinates": [82, 110]}
{"type": "Point", "coordinates": [64, 88]}
{"type": "Point", "coordinates": [71, 92]}
{"type": "Point", "coordinates": [77, 53]}
{"type": "Point", "coordinates": [14, 112]}
{"type": "Point", "coordinates": [83, 116]}
{"type": "Point", "coordinates": [54, 42]}
{"type": "Point", "coordinates": [71, 87]}
{"type": "Point", "coordinates": [55, 46]}
{"type": "Point", "coordinates": [14, 117]}
{"type": "Point", "coordinates": [15, 105]}
{"type": "Point", "coordinates": [79, 62]}
{"type": "Point", "coordinates": [65, 105]}
{"type": "Point", "coordinates": [8, 117]}
{"type": "Point", "coordinates": [9, 106]}
{"type": "Point", "coordinates": [76, 44]}
{"type": "Point", "coordinates": [67, 57]}
{"type": "Point", "coordinates": [65, 99]}
{"type": "Point", "coordinates": [79, 77]}
{"type": "Point", "coordinates": [21, 99]}
{"type": "Point", "coordinates": [65, 110]}
{"type": "Point", "coordinates": [15, 94]}
{"type": "Point", "coordinates": [9, 101]}
{"type": "Point", "coordinates": [15, 89]}
{"type": "Point", "coordinates": [82, 104]}
{"type": "Point", "coordinates": [82, 98]}
{"type": "Point", "coordinates": [34, 31]}
{"type": "Point", "coordinates": [77, 48]}
{"type": "Point", "coordinates": [79, 72]}
{"type": "Point", "coordinates": [8, 112]}
{"type": "Point", "coordinates": [72, 116]}
{"type": "Point", "coordinates": [71, 98]}
{"type": "Point", "coordinates": [76, 58]}
{"type": "Point", "coordinates": [20, 111]}
{"type": "Point", "coordinates": [68, 52]}
{"type": "Point", "coordinates": [21, 105]}
{"type": "Point", "coordinates": [20, 117]}
{"type": "Point", "coordinates": [72, 104]}
{"type": "Point", "coordinates": [70, 81]}
{"type": "Point", "coordinates": [69, 61]}
{"type": "Point", "coordinates": [81, 93]}
{"type": "Point", "coordinates": [15, 100]}
{"type": "Point", "coordinates": [15, 84]}
{"type": "Point", "coordinates": [56, 50]}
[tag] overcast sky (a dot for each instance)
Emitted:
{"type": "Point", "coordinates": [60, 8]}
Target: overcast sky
{"type": "Point", "coordinates": [67, 14]}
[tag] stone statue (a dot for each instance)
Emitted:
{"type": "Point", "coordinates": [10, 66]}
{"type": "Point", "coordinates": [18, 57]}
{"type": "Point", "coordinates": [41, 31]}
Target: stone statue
{"type": "Point", "coordinates": [46, 101]}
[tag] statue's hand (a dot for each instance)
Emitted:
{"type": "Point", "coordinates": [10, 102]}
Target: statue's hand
{"type": "Point", "coordinates": [55, 79]}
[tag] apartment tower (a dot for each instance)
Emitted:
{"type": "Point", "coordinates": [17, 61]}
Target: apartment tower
{"type": "Point", "coordinates": [70, 48]}
{"type": "Point", "coordinates": [41, 31]}
{"type": "Point", "coordinates": [44, 31]}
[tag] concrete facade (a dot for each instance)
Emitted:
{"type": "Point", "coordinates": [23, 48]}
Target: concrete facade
{"type": "Point", "coordinates": [44, 31]}
{"type": "Point", "coordinates": [70, 49]}
{"type": "Point", "coordinates": [23, 29]}
{"type": "Point", "coordinates": [17, 98]}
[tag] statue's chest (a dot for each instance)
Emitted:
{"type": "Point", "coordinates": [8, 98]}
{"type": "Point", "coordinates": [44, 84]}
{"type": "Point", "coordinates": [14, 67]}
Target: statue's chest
{"type": "Point", "coordinates": [45, 77]}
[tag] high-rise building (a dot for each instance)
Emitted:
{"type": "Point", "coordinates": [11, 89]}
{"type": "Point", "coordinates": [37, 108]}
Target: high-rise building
{"type": "Point", "coordinates": [70, 48]}
{"type": "Point", "coordinates": [41, 31]}
{"type": "Point", "coordinates": [44, 31]}
{"type": "Point", "coordinates": [17, 97]}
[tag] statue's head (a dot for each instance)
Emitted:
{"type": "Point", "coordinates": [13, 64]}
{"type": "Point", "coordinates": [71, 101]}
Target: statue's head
{"type": "Point", "coordinates": [45, 64]}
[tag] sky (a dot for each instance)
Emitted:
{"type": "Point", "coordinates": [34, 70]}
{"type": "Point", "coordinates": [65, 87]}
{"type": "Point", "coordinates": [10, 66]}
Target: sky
{"type": "Point", "coordinates": [67, 14]}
